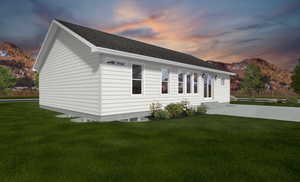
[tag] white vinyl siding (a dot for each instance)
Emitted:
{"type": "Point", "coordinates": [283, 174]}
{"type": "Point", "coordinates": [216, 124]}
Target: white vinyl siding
{"type": "Point", "coordinates": [222, 92]}
{"type": "Point", "coordinates": [116, 87]}
{"type": "Point", "coordinates": [222, 81]}
{"type": "Point", "coordinates": [69, 78]}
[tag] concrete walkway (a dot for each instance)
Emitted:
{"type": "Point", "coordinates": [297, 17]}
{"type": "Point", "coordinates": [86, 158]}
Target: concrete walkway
{"type": "Point", "coordinates": [254, 111]}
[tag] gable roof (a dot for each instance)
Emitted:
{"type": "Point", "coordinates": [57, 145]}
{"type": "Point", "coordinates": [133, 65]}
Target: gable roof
{"type": "Point", "coordinates": [115, 42]}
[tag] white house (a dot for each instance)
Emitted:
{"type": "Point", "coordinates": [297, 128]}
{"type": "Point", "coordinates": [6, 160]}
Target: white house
{"type": "Point", "coordinates": [97, 75]}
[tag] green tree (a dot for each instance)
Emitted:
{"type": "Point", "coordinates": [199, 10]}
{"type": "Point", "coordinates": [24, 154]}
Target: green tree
{"type": "Point", "coordinates": [296, 79]}
{"type": "Point", "coordinates": [37, 80]}
{"type": "Point", "coordinates": [254, 80]}
{"type": "Point", "coordinates": [7, 80]}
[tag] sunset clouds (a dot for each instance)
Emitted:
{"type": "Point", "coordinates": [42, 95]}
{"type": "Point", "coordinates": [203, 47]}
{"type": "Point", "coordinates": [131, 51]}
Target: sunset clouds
{"type": "Point", "coordinates": [211, 30]}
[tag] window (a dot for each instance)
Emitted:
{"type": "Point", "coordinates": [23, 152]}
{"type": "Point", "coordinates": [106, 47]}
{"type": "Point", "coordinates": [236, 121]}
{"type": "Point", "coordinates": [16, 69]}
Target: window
{"type": "Point", "coordinates": [209, 86]}
{"type": "Point", "coordinates": [136, 79]}
{"type": "Point", "coordinates": [164, 81]}
{"type": "Point", "coordinates": [208, 81]}
{"type": "Point", "coordinates": [195, 83]}
{"type": "Point", "coordinates": [180, 83]}
{"type": "Point", "coordinates": [204, 76]}
{"type": "Point", "coordinates": [188, 83]}
{"type": "Point", "coordinates": [223, 81]}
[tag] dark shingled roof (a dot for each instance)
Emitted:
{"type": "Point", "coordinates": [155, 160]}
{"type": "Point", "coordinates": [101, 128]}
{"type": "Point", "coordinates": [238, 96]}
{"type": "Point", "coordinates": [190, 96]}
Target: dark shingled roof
{"type": "Point", "coordinates": [115, 42]}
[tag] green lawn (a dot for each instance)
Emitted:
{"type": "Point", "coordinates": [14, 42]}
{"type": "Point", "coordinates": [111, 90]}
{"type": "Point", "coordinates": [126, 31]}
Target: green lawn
{"type": "Point", "coordinates": [266, 104]}
{"type": "Point", "coordinates": [36, 146]}
{"type": "Point", "coordinates": [19, 97]}
{"type": "Point", "coordinates": [265, 96]}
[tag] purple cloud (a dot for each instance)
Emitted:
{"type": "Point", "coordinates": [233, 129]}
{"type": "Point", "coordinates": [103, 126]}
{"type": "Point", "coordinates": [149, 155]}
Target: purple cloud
{"type": "Point", "coordinates": [143, 32]}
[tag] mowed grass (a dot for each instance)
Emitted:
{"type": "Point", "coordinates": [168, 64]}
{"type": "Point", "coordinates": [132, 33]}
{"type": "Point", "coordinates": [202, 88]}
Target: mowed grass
{"type": "Point", "coordinates": [37, 146]}
{"type": "Point", "coordinates": [267, 104]}
{"type": "Point", "coordinates": [19, 97]}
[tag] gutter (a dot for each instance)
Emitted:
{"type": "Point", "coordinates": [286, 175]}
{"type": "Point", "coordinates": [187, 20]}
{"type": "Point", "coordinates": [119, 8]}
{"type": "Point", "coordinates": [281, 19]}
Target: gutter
{"type": "Point", "coordinates": [156, 60]}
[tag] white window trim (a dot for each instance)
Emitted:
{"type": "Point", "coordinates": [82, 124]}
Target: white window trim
{"type": "Point", "coordinates": [169, 71]}
{"type": "Point", "coordinates": [222, 81]}
{"type": "Point", "coordinates": [191, 82]}
{"type": "Point", "coordinates": [207, 89]}
{"type": "Point", "coordinates": [183, 81]}
{"type": "Point", "coordinates": [197, 83]}
{"type": "Point", "coordinates": [142, 80]}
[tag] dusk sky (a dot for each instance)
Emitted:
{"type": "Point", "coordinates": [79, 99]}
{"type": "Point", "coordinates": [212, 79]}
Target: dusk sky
{"type": "Point", "coordinates": [227, 31]}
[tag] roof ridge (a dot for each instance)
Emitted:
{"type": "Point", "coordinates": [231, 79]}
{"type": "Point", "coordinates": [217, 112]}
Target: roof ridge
{"type": "Point", "coordinates": [116, 42]}
{"type": "Point", "coordinates": [131, 39]}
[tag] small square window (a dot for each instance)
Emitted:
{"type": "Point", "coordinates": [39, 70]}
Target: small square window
{"type": "Point", "coordinates": [136, 86]}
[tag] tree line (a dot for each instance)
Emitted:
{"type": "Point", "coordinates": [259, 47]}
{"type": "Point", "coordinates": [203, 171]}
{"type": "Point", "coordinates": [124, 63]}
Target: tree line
{"type": "Point", "coordinates": [8, 80]}
{"type": "Point", "coordinates": [255, 80]}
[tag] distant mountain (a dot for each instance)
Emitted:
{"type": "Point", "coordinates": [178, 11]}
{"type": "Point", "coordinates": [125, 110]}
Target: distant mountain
{"type": "Point", "coordinates": [21, 65]}
{"type": "Point", "coordinates": [279, 78]}
{"type": "Point", "coordinates": [19, 62]}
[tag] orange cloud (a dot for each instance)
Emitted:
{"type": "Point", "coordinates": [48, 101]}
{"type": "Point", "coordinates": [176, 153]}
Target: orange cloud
{"type": "Point", "coordinates": [172, 29]}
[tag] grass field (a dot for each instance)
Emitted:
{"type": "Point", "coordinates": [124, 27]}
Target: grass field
{"type": "Point", "coordinates": [36, 146]}
{"type": "Point", "coordinates": [19, 97]}
{"type": "Point", "coordinates": [266, 104]}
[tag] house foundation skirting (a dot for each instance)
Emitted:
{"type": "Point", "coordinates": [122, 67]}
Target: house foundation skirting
{"type": "Point", "coordinates": [134, 116]}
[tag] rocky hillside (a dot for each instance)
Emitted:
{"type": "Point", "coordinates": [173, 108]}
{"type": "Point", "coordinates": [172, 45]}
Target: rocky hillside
{"type": "Point", "coordinates": [19, 62]}
{"type": "Point", "coordinates": [21, 65]}
{"type": "Point", "coordinates": [279, 78]}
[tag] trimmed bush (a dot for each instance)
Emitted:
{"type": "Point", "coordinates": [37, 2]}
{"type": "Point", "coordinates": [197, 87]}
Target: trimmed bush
{"type": "Point", "coordinates": [292, 100]}
{"type": "Point", "coordinates": [186, 105]}
{"type": "Point", "coordinates": [163, 114]}
{"type": "Point", "coordinates": [190, 111]}
{"type": "Point", "coordinates": [233, 98]}
{"type": "Point", "coordinates": [175, 110]}
{"type": "Point", "coordinates": [201, 110]}
{"type": "Point", "coordinates": [252, 99]}
{"type": "Point", "coordinates": [155, 107]}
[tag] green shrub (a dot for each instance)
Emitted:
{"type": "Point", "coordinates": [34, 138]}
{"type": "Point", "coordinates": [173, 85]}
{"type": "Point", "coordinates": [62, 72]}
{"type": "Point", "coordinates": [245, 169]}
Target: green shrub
{"type": "Point", "coordinates": [162, 114]}
{"type": "Point", "coordinates": [281, 101]}
{"type": "Point", "coordinates": [175, 110]}
{"type": "Point", "coordinates": [7, 80]}
{"type": "Point", "coordinates": [233, 98]}
{"type": "Point", "coordinates": [190, 111]}
{"type": "Point", "coordinates": [292, 100]}
{"type": "Point", "coordinates": [252, 99]}
{"type": "Point", "coordinates": [7, 91]}
{"type": "Point", "coordinates": [186, 105]}
{"type": "Point", "coordinates": [155, 107]}
{"type": "Point", "coordinates": [201, 110]}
